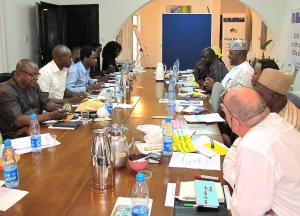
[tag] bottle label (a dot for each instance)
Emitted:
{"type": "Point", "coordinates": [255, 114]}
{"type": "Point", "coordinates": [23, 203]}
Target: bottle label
{"type": "Point", "coordinates": [140, 210]}
{"type": "Point", "coordinates": [10, 173]}
{"type": "Point", "coordinates": [36, 141]}
{"type": "Point", "coordinates": [167, 145]}
{"type": "Point", "coordinates": [109, 108]}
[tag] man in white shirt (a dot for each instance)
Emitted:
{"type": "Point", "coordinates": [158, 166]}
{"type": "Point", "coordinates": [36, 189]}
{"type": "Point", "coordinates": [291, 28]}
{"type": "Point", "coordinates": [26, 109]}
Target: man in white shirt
{"type": "Point", "coordinates": [53, 75]}
{"type": "Point", "coordinates": [241, 72]}
{"type": "Point", "coordinates": [267, 163]}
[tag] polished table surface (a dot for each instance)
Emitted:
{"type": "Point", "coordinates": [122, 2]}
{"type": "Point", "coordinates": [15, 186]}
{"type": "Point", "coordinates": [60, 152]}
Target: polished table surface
{"type": "Point", "coordinates": [58, 180]}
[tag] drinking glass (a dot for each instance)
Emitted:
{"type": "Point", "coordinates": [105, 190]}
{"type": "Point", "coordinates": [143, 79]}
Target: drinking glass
{"type": "Point", "coordinates": [85, 117]}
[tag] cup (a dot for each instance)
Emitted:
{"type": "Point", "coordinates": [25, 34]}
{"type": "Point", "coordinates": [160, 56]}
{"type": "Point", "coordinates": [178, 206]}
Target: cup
{"type": "Point", "coordinates": [85, 117]}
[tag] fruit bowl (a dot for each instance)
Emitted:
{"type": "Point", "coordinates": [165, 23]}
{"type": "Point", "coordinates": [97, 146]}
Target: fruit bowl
{"type": "Point", "coordinates": [138, 162]}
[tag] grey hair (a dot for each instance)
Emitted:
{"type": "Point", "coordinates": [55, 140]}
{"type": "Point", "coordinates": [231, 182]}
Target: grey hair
{"type": "Point", "coordinates": [23, 62]}
{"type": "Point", "coordinates": [59, 50]}
{"type": "Point", "coordinates": [245, 109]}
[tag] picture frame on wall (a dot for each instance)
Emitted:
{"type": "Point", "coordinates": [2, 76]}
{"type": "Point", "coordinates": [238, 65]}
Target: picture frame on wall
{"type": "Point", "coordinates": [179, 9]}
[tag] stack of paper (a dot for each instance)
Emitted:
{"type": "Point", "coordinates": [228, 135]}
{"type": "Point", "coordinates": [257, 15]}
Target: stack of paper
{"type": "Point", "coordinates": [8, 197]}
{"type": "Point", "coordinates": [23, 145]}
{"type": "Point", "coordinates": [206, 194]}
{"type": "Point", "coordinates": [203, 145]}
{"type": "Point", "coordinates": [123, 206]}
{"type": "Point", "coordinates": [208, 118]}
{"type": "Point", "coordinates": [189, 102]}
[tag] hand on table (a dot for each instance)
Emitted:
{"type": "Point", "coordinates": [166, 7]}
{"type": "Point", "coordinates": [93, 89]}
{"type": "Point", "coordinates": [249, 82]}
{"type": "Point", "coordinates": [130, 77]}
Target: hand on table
{"type": "Point", "coordinates": [93, 87]}
{"type": "Point", "coordinates": [57, 115]}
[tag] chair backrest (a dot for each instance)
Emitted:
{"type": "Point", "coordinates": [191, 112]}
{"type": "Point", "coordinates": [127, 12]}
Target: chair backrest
{"type": "Point", "coordinates": [295, 99]}
{"type": "Point", "coordinates": [214, 101]}
{"type": "Point", "coordinates": [4, 77]}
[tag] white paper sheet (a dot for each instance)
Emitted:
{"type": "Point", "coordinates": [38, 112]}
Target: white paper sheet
{"type": "Point", "coordinates": [170, 195]}
{"type": "Point", "coordinates": [208, 118]}
{"type": "Point", "coordinates": [190, 102]}
{"type": "Point", "coordinates": [194, 161]}
{"type": "Point", "coordinates": [199, 143]}
{"type": "Point", "coordinates": [23, 145]}
{"type": "Point", "coordinates": [127, 201]}
{"type": "Point", "coordinates": [8, 197]}
{"type": "Point", "coordinates": [227, 196]}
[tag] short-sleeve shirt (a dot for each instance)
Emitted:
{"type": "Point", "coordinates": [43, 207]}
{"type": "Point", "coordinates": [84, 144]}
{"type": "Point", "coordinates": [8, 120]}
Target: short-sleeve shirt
{"type": "Point", "coordinates": [53, 80]}
{"type": "Point", "coordinates": [15, 101]}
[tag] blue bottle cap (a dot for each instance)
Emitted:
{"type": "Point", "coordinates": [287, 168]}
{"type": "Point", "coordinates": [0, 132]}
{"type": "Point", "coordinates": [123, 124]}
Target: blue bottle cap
{"type": "Point", "coordinates": [168, 119]}
{"type": "Point", "coordinates": [140, 177]}
{"type": "Point", "coordinates": [7, 143]}
{"type": "Point", "coordinates": [33, 116]}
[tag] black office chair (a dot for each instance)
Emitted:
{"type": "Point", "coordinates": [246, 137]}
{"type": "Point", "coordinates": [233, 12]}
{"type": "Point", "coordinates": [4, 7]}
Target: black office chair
{"type": "Point", "coordinates": [4, 77]}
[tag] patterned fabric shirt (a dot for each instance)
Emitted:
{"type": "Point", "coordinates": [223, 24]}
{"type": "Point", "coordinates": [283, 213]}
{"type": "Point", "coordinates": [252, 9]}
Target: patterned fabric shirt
{"type": "Point", "coordinates": [291, 114]}
{"type": "Point", "coordinates": [15, 101]}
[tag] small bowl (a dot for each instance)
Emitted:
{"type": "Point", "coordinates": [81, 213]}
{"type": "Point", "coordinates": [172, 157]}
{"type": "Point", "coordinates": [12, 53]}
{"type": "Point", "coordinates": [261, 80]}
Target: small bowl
{"type": "Point", "coordinates": [138, 165]}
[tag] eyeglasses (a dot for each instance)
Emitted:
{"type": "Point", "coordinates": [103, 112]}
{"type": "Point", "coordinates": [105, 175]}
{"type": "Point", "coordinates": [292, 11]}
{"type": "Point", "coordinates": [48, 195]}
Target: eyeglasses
{"type": "Point", "coordinates": [36, 75]}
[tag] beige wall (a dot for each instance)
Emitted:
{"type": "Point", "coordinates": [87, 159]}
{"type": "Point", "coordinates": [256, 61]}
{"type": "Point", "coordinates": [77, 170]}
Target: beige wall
{"type": "Point", "coordinates": [151, 24]}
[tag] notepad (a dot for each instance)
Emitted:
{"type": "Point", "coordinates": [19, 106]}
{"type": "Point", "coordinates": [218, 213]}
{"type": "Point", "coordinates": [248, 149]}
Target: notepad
{"type": "Point", "coordinates": [206, 194]}
{"type": "Point", "coordinates": [208, 118]}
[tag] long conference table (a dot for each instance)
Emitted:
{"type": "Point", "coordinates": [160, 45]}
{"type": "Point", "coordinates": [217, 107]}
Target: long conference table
{"type": "Point", "coordinates": [58, 181]}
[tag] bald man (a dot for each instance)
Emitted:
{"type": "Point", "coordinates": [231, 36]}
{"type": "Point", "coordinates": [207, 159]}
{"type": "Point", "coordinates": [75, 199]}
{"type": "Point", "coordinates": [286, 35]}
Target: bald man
{"type": "Point", "coordinates": [264, 167]}
{"type": "Point", "coordinates": [21, 96]}
{"type": "Point", "coordinates": [53, 75]}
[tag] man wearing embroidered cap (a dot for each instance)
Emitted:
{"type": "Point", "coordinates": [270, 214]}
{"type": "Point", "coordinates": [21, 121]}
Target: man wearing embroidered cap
{"type": "Point", "coordinates": [273, 85]}
{"type": "Point", "coordinates": [241, 71]}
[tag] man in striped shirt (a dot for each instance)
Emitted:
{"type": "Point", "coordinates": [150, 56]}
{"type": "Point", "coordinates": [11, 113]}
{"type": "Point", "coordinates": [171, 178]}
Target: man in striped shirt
{"type": "Point", "coordinates": [273, 85]}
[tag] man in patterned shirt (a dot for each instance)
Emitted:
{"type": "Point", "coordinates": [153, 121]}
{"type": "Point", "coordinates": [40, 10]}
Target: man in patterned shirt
{"type": "Point", "coordinates": [273, 85]}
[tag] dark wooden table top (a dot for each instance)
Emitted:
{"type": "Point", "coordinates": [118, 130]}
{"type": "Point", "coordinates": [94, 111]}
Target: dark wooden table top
{"type": "Point", "coordinates": [58, 180]}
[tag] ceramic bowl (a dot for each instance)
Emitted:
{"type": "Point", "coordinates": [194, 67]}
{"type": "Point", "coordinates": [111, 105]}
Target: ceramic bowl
{"type": "Point", "coordinates": [138, 164]}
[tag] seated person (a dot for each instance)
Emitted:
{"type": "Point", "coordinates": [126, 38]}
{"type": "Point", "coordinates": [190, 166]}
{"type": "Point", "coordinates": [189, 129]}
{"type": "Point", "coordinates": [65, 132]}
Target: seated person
{"type": "Point", "coordinates": [241, 71]}
{"type": "Point", "coordinates": [78, 77]}
{"type": "Point", "coordinates": [52, 80]}
{"type": "Point", "coordinates": [263, 171]}
{"type": "Point", "coordinates": [209, 66]}
{"type": "Point", "coordinates": [273, 85]}
{"type": "Point", "coordinates": [96, 71]}
{"type": "Point", "coordinates": [21, 96]}
{"type": "Point", "coordinates": [260, 66]}
{"type": "Point", "coordinates": [109, 54]}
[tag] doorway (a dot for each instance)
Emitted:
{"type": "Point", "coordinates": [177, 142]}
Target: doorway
{"type": "Point", "coordinates": [71, 25]}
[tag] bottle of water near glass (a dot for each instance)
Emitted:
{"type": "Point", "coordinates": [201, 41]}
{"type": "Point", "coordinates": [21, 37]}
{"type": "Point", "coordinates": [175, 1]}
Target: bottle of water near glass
{"type": "Point", "coordinates": [140, 196]}
{"type": "Point", "coordinates": [172, 100]}
{"type": "Point", "coordinates": [118, 90]}
{"type": "Point", "coordinates": [35, 135]}
{"type": "Point", "coordinates": [167, 137]}
{"type": "Point", "coordinates": [109, 102]}
{"type": "Point", "coordinates": [10, 167]}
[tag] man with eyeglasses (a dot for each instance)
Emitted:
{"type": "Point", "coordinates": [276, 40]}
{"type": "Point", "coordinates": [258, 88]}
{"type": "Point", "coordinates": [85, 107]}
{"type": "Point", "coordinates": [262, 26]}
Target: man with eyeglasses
{"type": "Point", "coordinates": [21, 96]}
{"type": "Point", "coordinates": [78, 77]}
{"type": "Point", "coordinates": [263, 171]}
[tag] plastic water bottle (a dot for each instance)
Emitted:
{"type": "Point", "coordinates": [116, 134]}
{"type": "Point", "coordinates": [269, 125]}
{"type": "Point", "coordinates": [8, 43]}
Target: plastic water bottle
{"type": "Point", "coordinates": [35, 135]}
{"type": "Point", "coordinates": [171, 100]}
{"type": "Point", "coordinates": [108, 102]}
{"type": "Point", "coordinates": [140, 196]}
{"type": "Point", "coordinates": [10, 167]}
{"type": "Point", "coordinates": [117, 90]}
{"type": "Point", "coordinates": [167, 137]}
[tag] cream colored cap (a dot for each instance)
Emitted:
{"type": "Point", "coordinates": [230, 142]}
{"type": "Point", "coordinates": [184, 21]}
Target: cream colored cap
{"type": "Point", "coordinates": [276, 80]}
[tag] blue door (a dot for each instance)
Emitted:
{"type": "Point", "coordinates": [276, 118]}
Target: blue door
{"type": "Point", "coordinates": [184, 36]}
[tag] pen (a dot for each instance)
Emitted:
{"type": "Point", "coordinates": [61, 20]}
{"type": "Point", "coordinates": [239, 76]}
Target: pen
{"type": "Point", "coordinates": [212, 144]}
{"type": "Point", "coordinates": [189, 205]}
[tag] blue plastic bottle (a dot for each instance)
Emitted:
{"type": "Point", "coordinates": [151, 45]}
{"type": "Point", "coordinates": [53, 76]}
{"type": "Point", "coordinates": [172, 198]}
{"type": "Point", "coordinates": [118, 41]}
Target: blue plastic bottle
{"type": "Point", "coordinates": [35, 135]}
{"type": "Point", "coordinates": [167, 137]}
{"type": "Point", "coordinates": [140, 196]}
{"type": "Point", "coordinates": [108, 102]}
{"type": "Point", "coordinates": [171, 100]}
{"type": "Point", "coordinates": [10, 168]}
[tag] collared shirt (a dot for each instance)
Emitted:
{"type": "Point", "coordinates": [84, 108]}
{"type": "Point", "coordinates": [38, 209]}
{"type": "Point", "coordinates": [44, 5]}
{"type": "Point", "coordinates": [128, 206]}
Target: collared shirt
{"type": "Point", "coordinates": [53, 80]}
{"type": "Point", "coordinates": [239, 74]}
{"type": "Point", "coordinates": [291, 114]}
{"type": "Point", "coordinates": [266, 165]}
{"type": "Point", "coordinates": [78, 78]}
{"type": "Point", "coordinates": [15, 101]}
